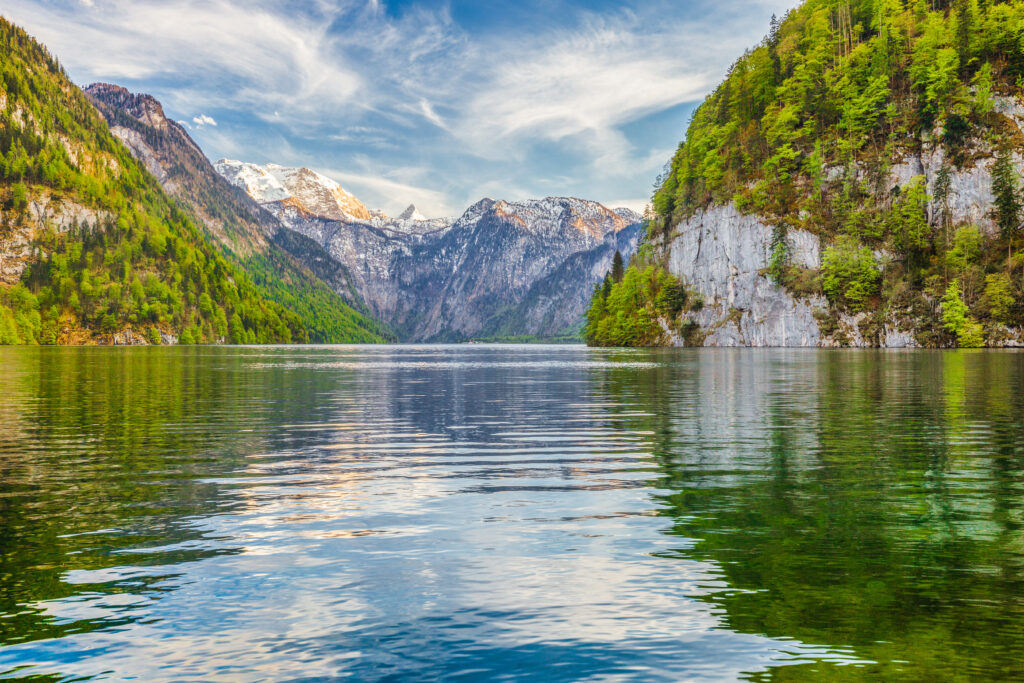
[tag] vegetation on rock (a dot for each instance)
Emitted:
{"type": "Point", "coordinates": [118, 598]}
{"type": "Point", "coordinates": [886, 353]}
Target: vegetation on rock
{"type": "Point", "coordinates": [638, 306]}
{"type": "Point", "coordinates": [807, 127]}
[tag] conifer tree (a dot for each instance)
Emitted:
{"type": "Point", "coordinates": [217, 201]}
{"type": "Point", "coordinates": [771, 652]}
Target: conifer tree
{"type": "Point", "coordinates": [618, 269]}
{"type": "Point", "coordinates": [1005, 187]}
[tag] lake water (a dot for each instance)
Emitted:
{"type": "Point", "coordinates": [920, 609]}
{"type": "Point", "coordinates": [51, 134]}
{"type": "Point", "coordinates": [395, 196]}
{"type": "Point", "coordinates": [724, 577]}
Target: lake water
{"type": "Point", "coordinates": [483, 512]}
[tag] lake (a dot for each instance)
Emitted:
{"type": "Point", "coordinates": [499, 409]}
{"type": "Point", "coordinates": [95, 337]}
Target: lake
{"type": "Point", "coordinates": [506, 512]}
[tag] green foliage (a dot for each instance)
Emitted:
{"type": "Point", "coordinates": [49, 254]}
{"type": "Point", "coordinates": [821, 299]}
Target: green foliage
{"type": "Point", "coordinates": [618, 270]}
{"type": "Point", "coordinates": [142, 264]}
{"type": "Point", "coordinates": [779, 257]}
{"type": "Point", "coordinates": [956, 319]}
{"type": "Point", "coordinates": [998, 297]}
{"type": "Point", "coordinates": [20, 321]}
{"type": "Point", "coordinates": [850, 275]}
{"type": "Point", "coordinates": [966, 249]}
{"type": "Point", "coordinates": [908, 220]}
{"type": "Point", "coordinates": [1006, 187]}
{"type": "Point", "coordinates": [629, 312]}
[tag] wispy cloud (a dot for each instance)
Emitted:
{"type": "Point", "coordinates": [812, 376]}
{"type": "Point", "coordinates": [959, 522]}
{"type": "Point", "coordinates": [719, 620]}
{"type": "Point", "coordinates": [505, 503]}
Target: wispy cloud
{"type": "Point", "coordinates": [383, 192]}
{"type": "Point", "coordinates": [373, 90]}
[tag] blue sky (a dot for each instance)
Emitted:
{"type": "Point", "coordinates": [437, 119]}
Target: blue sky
{"type": "Point", "coordinates": [434, 102]}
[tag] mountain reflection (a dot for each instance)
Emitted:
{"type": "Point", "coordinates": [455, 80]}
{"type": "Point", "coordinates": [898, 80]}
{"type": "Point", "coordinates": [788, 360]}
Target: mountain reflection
{"type": "Point", "coordinates": [406, 512]}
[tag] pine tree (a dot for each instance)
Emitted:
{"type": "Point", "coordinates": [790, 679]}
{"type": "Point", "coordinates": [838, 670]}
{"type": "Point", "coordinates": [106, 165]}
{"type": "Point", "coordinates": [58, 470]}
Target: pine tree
{"type": "Point", "coordinates": [618, 269]}
{"type": "Point", "coordinates": [1005, 187]}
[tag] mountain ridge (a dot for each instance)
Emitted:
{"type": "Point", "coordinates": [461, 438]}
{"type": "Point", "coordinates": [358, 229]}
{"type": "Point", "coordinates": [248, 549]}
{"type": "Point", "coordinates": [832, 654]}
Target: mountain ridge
{"type": "Point", "coordinates": [248, 233]}
{"type": "Point", "coordinates": [419, 275]}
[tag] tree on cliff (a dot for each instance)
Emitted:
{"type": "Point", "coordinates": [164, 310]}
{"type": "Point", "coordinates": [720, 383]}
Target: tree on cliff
{"type": "Point", "coordinates": [618, 269]}
{"type": "Point", "coordinates": [1005, 187]}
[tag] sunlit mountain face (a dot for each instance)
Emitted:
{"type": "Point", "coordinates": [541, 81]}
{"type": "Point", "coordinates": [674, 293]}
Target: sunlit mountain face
{"type": "Point", "coordinates": [432, 103]}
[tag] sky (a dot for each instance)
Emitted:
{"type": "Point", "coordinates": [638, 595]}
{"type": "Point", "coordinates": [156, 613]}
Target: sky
{"type": "Point", "coordinates": [434, 102]}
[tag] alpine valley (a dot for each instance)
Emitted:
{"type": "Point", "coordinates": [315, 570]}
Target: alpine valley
{"type": "Point", "coordinates": [116, 229]}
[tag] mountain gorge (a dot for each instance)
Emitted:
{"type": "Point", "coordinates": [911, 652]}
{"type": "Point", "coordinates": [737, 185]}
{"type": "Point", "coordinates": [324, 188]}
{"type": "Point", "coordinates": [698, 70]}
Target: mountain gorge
{"type": "Point", "coordinates": [116, 228]}
{"type": "Point", "coordinates": [854, 181]}
{"type": "Point", "coordinates": [502, 269]}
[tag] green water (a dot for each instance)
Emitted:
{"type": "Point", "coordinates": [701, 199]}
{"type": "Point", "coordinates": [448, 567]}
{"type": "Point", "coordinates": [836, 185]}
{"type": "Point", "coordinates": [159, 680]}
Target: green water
{"type": "Point", "coordinates": [512, 512]}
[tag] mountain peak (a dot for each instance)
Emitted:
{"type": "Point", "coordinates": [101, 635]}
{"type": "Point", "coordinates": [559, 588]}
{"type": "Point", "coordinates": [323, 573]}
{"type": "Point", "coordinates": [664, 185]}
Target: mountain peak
{"type": "Point", "coordinates": [313, 192]}
{"type": "Point", "coordinates": [142, 107]}
{"type": "Point", "coordinates": [412, 214]}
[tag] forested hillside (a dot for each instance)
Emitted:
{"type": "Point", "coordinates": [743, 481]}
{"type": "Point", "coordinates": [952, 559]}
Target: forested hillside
{"type": "Point", "coordinates": [253, 240]}
{"type": "Point", "coordinates": [91, 249]}
{"type": "Point", "coordinates": [890, 131]}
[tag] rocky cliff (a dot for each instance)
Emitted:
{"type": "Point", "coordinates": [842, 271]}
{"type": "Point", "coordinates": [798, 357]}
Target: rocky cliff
{"type": "Point", "coordinates": [724, 255]}
{"type": "Point", "coordinates": [501, 269]}
{"type": "Point", "coordinates": [856, 180]}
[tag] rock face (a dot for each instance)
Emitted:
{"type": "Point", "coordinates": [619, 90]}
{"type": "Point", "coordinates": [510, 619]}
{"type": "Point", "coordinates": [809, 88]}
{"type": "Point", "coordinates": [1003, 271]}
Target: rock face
{"type": "Point", "coordinates": [45, 211]}
{"type": "Point", "coordinates": [501, 269]}
{"type": "Point", "coordinates": [171, 155]}
{"type": "Point", "coordinates": [722, 254]}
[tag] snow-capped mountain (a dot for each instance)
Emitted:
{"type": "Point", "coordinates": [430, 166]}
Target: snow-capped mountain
{"type": "Point", "coordinates": [288, 266]}
{"type": "Point", "coordinates": [306, 189]}
{"type": "Point", "coordinates": [412, 214]}
{"type": "Point", "coordinates": [502, 269]}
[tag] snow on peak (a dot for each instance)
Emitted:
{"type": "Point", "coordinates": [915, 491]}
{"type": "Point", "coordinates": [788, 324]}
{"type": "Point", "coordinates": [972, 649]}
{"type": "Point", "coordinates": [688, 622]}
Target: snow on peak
{"type": "Point", "coordinates": [255, 180]}
{"type": "Point", "coordinates": [314, 193]}
{"type": "Point", "coordinates": [412, 214]}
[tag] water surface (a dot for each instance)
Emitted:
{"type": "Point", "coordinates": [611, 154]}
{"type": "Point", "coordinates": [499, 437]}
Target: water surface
{"type": "Point", "coordinates": [479, 512]}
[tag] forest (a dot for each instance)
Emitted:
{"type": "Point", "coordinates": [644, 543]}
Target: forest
{"type": "Point", "coordinates": [141, 264]}
{"type": "Point", "coordinates": [806, 127]}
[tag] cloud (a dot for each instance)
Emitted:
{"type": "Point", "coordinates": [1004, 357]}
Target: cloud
{"type": "Point", "coordinates": [524, 108]}
{"type": "Point", "coordinates": [592, 82]}
{"type": "Point", "coordinates": [392, 195]}
{"type": "Point", "coordinates": [249, 54]}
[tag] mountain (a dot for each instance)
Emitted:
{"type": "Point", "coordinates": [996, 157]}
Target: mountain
{"type": "Point", "coordinates": [854, 181]}
{"type": "Point", "coordinates": [502, 269]}
{"type": "Point", "coordinates": [411, 213]}
{"type": "Point", "coordinates": [306, 189]}
{"type": "Point", "coordinates": [92, 250]}
{"type": "Point", "coordinates": [251, 237]}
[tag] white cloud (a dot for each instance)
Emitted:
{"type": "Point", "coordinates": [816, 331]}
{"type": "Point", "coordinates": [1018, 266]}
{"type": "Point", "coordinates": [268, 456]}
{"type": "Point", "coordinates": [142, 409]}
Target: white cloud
{"type": "Point", "coordinates": [509, 112]}
{"type": "Point", "coordinates": [638, 204]}
{"type": "Point", "coordinates": [392, 195]}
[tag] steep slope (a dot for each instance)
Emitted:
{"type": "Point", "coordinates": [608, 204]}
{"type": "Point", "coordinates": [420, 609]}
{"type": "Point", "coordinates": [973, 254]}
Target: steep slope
{"type": "Point", "coordinates": [91, 248]}
{"type": "Point", "coordinates": [493, 272]}
{"type": "Point", "coordinates": [253, 238]}
{"type": "Point", "coordinates": [855, 180]}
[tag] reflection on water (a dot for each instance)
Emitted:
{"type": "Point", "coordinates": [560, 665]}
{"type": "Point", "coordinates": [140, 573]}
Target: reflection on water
{"type": "Point", "coordinates": [478, 512]}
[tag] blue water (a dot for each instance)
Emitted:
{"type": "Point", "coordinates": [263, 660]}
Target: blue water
{"type": "Point", "coordinates": [488, 512]}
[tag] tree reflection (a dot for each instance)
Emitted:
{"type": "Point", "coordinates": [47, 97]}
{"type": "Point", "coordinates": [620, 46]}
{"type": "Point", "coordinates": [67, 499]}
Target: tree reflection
{"type": "Point", "coordinates": [868, 500]}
